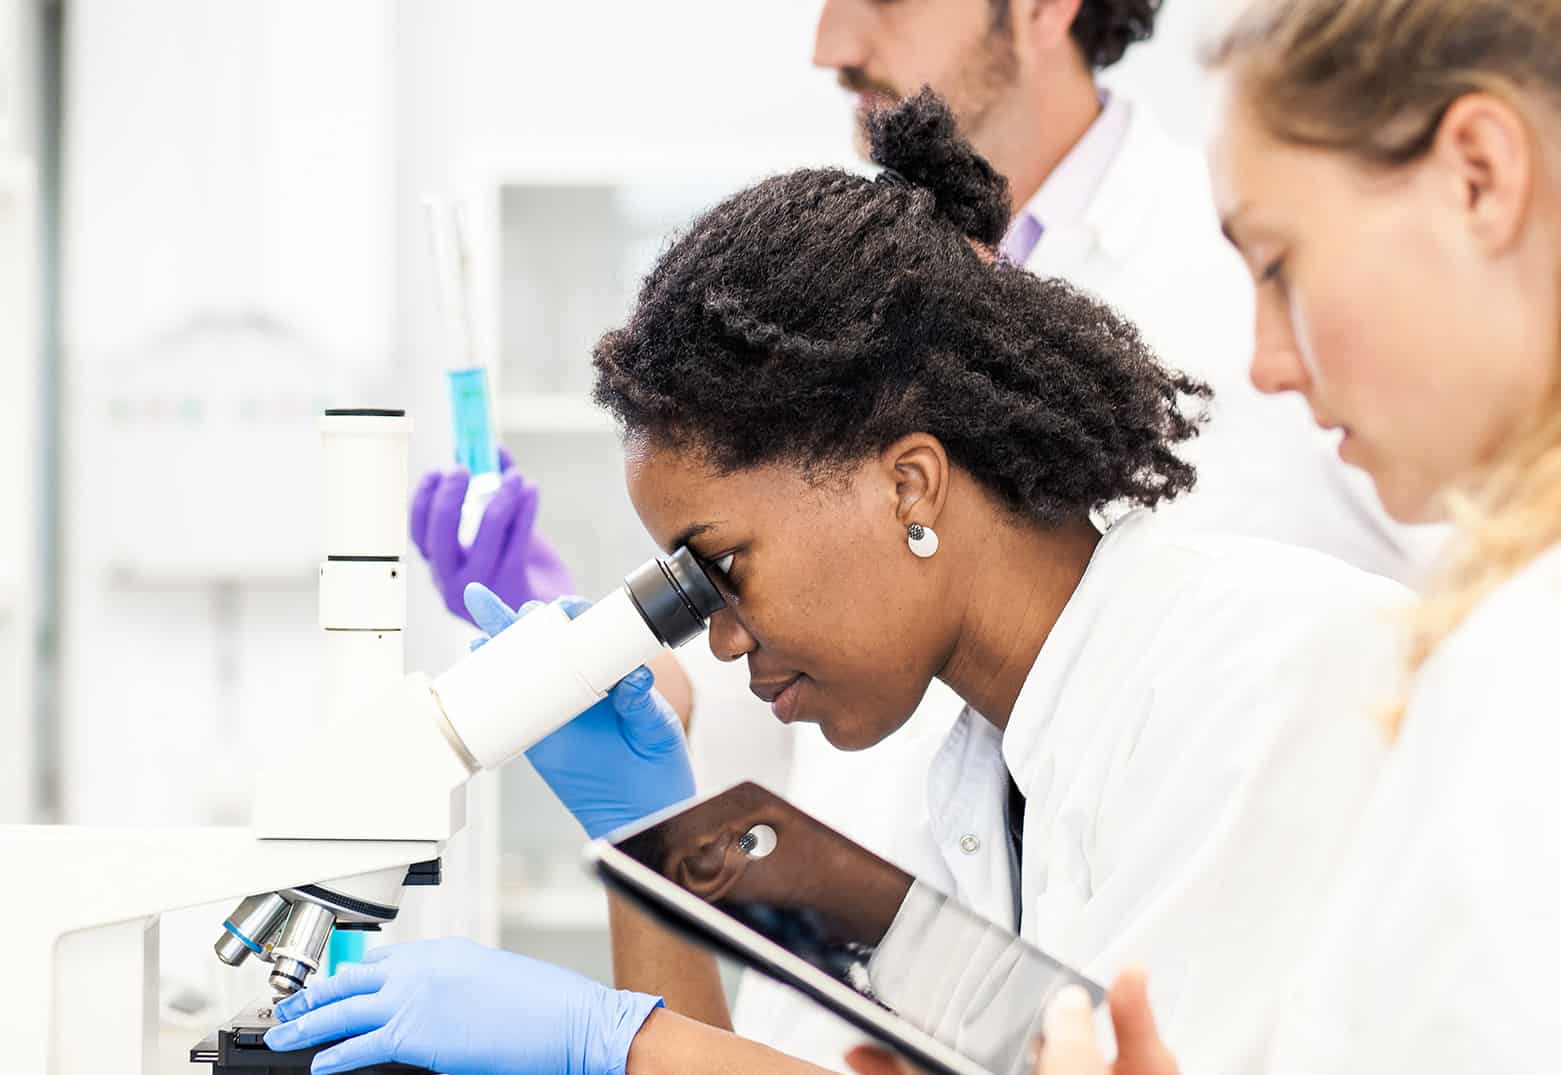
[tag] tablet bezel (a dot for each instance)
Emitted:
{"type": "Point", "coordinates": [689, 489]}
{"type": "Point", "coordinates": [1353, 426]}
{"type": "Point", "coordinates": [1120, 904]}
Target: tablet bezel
{"type": "Point", "coordinates": [686, 913]}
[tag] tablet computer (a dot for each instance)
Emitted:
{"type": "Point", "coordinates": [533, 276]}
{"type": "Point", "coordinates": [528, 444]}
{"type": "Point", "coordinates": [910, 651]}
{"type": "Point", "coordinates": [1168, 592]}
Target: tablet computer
{"type": "Point", "coordinates": [747, 873]}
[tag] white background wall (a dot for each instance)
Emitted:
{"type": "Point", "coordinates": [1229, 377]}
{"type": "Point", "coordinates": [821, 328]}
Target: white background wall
{"type": "Point", "coordinates": [243, 244]}
{"type": "Point", "coordinates": [239, 164]}
{"type": "Point", "coordinates": [227, 165]}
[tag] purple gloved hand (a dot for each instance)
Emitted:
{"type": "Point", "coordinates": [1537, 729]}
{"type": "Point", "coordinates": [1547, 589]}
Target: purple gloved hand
{"type": "Point", "coordinates": [507, 555]}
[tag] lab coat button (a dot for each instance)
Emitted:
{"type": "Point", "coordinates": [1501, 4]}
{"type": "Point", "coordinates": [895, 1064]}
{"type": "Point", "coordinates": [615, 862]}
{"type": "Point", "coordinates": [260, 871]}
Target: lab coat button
{"type": "Point", "coordinates": [969, 844]}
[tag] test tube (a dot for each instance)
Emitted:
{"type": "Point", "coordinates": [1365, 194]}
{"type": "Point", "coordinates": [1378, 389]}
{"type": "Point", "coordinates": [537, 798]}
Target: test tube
{"type": "Point", "coordinates": [471, 403]}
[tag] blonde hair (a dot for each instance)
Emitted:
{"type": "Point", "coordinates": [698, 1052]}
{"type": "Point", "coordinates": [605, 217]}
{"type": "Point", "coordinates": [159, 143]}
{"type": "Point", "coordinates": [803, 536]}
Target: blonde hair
{"type": "Point", "coordinates": [1374, 79]}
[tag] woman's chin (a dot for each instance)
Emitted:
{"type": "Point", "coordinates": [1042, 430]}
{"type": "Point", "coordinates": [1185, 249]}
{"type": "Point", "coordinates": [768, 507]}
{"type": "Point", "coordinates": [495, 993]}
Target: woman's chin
{"type": "Point", "coordinates": [1412, 503]}
{"type": "Point", "coordinates": [854, 734]}
{"type": "Point", "coordinates": [849, 736]}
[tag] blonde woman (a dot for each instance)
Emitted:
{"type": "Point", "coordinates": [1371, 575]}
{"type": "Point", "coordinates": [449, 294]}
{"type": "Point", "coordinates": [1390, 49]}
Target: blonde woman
{"type": "Point", "coordinates": [1391, 171]}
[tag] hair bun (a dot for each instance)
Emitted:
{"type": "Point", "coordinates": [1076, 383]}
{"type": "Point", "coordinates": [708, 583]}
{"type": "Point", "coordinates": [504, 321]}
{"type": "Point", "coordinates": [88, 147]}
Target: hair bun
{"type": "Point", "coordinates": [918, 140]}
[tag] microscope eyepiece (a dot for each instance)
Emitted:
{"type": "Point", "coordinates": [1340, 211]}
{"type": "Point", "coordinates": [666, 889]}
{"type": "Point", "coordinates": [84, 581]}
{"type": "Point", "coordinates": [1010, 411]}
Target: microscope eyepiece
{"type": "Point", "coordinates": [674, 595]}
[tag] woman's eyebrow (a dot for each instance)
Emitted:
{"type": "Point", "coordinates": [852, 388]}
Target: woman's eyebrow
{"type": "Point", "coordinates": [691, 533]}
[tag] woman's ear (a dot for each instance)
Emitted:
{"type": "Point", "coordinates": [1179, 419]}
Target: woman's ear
{"type": "Point", "coordinates": [1487, 151]}
{"type": "Point", "coordinates": [712, 868]}
{"type": "Point", "coordinates": [919, 469]}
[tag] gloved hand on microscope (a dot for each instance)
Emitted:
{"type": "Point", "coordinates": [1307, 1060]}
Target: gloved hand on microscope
{"type": "Point", "coordinates": [454, 1006]}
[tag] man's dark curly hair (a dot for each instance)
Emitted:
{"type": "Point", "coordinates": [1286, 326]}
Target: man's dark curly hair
{"type": "Point", "coordinates": [1105, 28]}
{"type": "Point", "coordinates": [819, 316]}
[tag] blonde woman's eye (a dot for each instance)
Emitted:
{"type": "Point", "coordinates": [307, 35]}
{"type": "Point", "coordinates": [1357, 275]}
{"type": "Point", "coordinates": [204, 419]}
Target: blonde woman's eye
{"type": "Point", "coordinates": [724, 564]}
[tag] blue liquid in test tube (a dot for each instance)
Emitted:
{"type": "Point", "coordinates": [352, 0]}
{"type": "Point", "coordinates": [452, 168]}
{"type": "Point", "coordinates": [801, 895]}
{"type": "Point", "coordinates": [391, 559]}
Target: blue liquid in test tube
{"type": "Point", "coordinates": [471, 428]}
{"type": "Point", "coordinates": [471, 421]}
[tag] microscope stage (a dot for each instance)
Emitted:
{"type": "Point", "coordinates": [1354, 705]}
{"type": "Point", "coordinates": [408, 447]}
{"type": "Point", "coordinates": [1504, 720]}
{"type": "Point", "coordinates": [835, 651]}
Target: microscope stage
{"type": "Point", "coordinates": [238, 1048]}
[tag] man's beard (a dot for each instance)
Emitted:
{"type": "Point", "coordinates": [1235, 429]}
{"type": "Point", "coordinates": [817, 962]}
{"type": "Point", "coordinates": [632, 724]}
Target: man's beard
{"type": "Point", "coordinates": [979, 82]}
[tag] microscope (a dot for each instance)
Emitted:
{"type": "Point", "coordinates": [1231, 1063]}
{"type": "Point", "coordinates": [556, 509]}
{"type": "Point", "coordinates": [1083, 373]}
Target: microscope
{"type": "Point", "coordinates": [320, 855]}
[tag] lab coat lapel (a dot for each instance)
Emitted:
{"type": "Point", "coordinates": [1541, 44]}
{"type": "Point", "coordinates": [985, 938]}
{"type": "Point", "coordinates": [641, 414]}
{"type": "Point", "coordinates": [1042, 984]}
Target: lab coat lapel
{"type": "Point", "coordinates": [1067, 251]}
{"type": "Point", "coordinates": [1089, 252]}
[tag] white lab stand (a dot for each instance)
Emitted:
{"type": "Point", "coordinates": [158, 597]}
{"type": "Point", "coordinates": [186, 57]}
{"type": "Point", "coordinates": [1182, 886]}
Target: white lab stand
{"type": "Point", "coordinates": [81, 992]}
{"type": "Point", "coordinates": [80, 996]}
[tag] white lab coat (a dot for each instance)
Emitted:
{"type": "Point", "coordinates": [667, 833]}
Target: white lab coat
{"type": "Point", "coordinates": [1147, 243]}
{"type": "Point", "coordinates": [1439, 946]}
{"type": "Point", "coordinates": [1189, 781]}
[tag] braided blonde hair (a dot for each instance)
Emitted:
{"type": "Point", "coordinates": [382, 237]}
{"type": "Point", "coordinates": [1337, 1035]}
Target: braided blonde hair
{"type": "Point", "coordinates": [1374, 78]}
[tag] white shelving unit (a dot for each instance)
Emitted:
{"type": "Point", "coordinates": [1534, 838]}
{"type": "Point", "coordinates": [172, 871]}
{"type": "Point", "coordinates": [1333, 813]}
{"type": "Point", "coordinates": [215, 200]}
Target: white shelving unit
{"type": "Point", "coordinates": [546, 413]}
{"type": "Point", "coordinates": [18, 460]}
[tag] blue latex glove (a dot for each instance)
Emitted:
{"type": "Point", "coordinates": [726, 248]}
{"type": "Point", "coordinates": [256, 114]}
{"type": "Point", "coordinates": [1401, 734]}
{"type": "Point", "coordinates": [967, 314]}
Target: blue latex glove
{"type": "Point", "coordinates": [620, 760]}
{"type": "Point", "coordinates": [507, 555]}
{"type": "Point", "coordinates": [456, 1007]}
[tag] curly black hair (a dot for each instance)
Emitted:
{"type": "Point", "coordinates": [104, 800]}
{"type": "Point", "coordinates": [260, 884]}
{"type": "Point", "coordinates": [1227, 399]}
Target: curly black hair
{"type": "Point", "coordinates": [1105, 28]}
{"type": "Point", "coordinates": [819, 316]}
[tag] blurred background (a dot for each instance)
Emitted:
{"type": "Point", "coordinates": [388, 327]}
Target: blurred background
{"type": "Point", "coordinates": [210, 229]}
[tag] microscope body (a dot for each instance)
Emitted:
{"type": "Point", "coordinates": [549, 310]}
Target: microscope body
{"type": "Point", "coordinates": [323, 852]}
{"type": "Point", "coordinates": [82, 997]}
{"type": "Point", "coordinates": [362, 611]}
{"type": "Point", "coordinates": [415, 742]}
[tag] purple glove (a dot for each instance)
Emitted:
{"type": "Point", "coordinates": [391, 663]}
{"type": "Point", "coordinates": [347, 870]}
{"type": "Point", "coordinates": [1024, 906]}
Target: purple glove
{"type": "Point", "coordinates": [507, 555]}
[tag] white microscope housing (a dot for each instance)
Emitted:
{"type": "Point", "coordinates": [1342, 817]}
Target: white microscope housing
{"type": "Point", "coordinates": [81, 995]}
{"type": "Point", "coordinates": [416, 742]}
{"type": "Point", "coordinates": [362, 594]}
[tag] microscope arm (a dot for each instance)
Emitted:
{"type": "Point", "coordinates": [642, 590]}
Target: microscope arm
{"type": "Point", "coordinates": [416, 745]}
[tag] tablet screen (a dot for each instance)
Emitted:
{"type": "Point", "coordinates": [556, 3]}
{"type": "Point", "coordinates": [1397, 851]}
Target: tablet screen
{"type": "Point", "coordinates": [891, 939]}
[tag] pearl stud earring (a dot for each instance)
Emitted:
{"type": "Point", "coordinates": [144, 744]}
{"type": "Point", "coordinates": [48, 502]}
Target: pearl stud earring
{"type": "Point", "coordinates": [757, 842]}
{"type": "Point", "coordinates": [923, 540]}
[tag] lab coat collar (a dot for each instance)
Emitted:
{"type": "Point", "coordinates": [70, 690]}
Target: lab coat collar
{"type": "Point", "coordinates": [1112, 214]}
{"type": "Point", "coordinates": [1041, 694]}
{"type": "Point", "coordinates": [1126, 195]}
{"type": "Point", "coordinates": [967, 780]}
{"type": "Point", "coordinates": [1064, 197]}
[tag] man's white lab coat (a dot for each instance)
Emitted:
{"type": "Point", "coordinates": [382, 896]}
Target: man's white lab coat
{"type": "Point", "coordinates": [1148, 244]}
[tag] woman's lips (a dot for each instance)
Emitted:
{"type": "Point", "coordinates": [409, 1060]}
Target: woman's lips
{"type": "Point", "coordinates": [785, 704]}
{"type": "Point", "coordinates": [1347, 442]}
{"type": "Point", "coordinates": [782, 697]}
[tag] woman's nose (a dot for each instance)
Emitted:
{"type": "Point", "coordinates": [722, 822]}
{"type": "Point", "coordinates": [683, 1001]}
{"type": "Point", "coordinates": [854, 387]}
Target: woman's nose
{"type": "Point", "coordinates": [1276, 359]}
{"type": "Point", "coordinates": [729, 639]}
